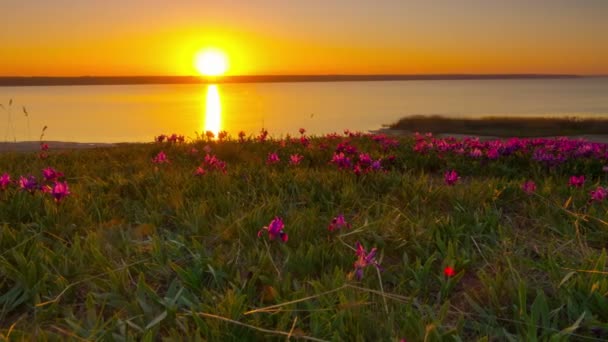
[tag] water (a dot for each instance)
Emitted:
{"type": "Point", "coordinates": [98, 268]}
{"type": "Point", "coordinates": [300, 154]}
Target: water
{"type": "Point", "coordinates": [137, 113]}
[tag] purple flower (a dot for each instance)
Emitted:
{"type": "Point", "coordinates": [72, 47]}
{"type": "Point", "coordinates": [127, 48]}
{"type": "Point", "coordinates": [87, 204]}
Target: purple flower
{"type": "Point", "coordinates": [576, 181]}
{"type": "Point", "coordinates": [338, 222]}
{"type": "Point", "coordinates": [60, 190]}
{"type": "Point", "coordinates": [364, 259]}
{"type": "Point", "coordinates": [275, 230]}
{"type": "Point", "coordinates": [51, 174]}
{"type": "Point", "coordinates": [160, 158]}
{"type": "Point", "coordinates": [29, 184]}
{"type": "Point", "coordinates": [342, 161]}
{"type": "Point", "coordinates": [272, 158]}
{"type": "Point", "coordinates": [376, 165]}
{"type": "Point", "coordinates": [451, 177]}
{"type": "Point", "coordinates": [5, 180]}
{"type": "Point", "coordinates": [528, 187]}
{"type": "Point", "coordinates": [599, 194]}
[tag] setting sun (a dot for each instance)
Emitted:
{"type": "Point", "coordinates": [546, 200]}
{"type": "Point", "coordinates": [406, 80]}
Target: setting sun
{"type": "Point", "coordinates": [211, 62]}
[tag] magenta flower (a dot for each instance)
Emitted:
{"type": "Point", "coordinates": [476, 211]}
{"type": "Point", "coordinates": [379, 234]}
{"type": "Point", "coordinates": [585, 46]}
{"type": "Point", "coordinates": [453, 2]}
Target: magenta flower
{"type": "Point", "coordinates": [44, 147]}
{"type": "Point", "coordinates": [60, 190]}
{"type": "Point", "coordinates": [451, 177]}
{"type": "Point", "coordinates": [160, 158]}
{"type": "Point", "coordinates": [576, 181]}
{"type": "Point", "coordinates": [364, 259]}
{"type": "Point", "coordinates": [51, 174]}
{"type": "Point", "coordinates": [5, 180]}
{"type": "Point", "coordinates": [275, 230]}
{"type": "Point", "coordinates": [528, 187]}
{"type": "Point", "coordinates": [215, 163]}
{"type": "Point", "coordinates": [273, 158]}
{"type": "Point", "coordinates": [476, 153]}
{"type": "Point", "coordinates": [29, 184]}
{"type": "Point", "coordinates": [295, 159]}
{"type": "Point", "coordinates": [599, 194]}
{"type": "Point", "coordinates": [341, 160]}
{"type": "Point", "coordinates": [338, 222]}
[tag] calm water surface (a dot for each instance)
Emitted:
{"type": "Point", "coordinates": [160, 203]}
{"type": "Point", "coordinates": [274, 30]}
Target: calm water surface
{"type": "Point", "coordinates": [137, 113]}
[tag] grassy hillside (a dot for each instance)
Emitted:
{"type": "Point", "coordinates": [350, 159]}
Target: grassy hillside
{"type": "Point", "coordinates": [149, 244]}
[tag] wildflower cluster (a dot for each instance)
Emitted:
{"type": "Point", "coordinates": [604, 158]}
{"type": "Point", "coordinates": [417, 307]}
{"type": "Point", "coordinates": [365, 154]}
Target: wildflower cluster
{"type": "Point", "coordinates": [51, 183]}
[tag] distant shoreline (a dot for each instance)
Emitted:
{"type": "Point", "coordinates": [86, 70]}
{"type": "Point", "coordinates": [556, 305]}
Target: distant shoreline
{"type": "Point", "coordinates": [134, 80]}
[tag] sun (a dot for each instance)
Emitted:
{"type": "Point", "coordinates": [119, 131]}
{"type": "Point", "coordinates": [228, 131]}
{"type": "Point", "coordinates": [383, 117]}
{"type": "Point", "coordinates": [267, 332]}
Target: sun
{"type": "Point", "coordinates": [211, 62]}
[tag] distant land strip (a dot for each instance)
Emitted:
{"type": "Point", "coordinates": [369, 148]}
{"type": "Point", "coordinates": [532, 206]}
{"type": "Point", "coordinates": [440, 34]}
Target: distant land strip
{"type": "Point", "coordinates": [125, 80]}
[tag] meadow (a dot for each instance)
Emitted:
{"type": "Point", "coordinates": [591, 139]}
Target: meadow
{"type": "Point", "coordinates": [352, 236]}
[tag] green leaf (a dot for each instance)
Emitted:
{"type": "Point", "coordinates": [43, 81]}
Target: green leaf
{"type": "Point", "coordinates": [156, 320]}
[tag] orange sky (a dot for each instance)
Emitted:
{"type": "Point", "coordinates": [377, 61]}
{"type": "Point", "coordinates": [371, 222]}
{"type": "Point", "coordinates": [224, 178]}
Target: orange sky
{"type": "Point", "coordinates": [154, 37]}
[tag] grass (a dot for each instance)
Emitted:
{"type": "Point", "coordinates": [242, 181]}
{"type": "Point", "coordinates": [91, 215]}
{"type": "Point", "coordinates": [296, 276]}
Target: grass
{"type": "Point", "coordinates": [143, 251]}
{"type": "Point", "coordinates": [504, 126]}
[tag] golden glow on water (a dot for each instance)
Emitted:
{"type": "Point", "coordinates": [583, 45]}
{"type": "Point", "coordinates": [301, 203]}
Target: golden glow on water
{"type": "Point", "coordinates": [213, 110]}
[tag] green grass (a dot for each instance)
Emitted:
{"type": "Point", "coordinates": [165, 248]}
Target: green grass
{"type": "Point", "coordinates": [504, 126]}
{"type": "Point", "coordinates": [143, 252]}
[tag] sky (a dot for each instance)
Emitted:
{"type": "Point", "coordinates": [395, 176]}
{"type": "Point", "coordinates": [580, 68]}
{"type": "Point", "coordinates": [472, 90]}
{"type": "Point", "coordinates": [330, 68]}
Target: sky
{"type": "Point", "coordinates": [261, 37]}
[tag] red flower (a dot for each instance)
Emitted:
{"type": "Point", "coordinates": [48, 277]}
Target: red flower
{"type": "Point", "coordinates": [449, 271]}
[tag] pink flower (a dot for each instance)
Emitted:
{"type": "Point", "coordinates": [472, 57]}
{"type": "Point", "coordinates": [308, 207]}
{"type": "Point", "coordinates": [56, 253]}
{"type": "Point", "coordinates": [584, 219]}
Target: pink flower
{"type": "Point", "coordinates": [160, 158]}
{"type": "Point", "coordinates": [449, 272]}
{"type": "Point", "coordinates": [207, 149]}
{"type": "Point", "coordinates": [213, 163]}
{"type": "Point", "coordinates": [476, 153]}
{"type": "Point", "coordinates": [302, 131]}
{"type": "Point", "coordinates": [273, 158]}
{"type": "Point", "coordinates": [200, 171]}
{"type": "Point", "coordinates": [364, 259]}
{"type": "Point", "coordinates": [160, 138]}
{"type": "Point", "coordinates": [295, 159]}
{"type": "Point", "coordinates": [193, 151]}
{"type": "Point", "coordinates": [528, 187]}
{"type": "Point", "coordinates": [51, 174]}
{"type": "Point", "coordinates": [241, 136]}
{"type": "Point", "coordinates": [576, 181]}
{"type": "Point", "coordinates": [60, 190]}
{"type": "Point", "coordinates": [599, 194]}
{"type": "Point", "coordinates": [275, 230]}
{"type": "Point", "coordinates": [5, 180]}
{"type": "Point", "coordinates": [44, 147]}
{"type": "Point", "coordinates": [338, 222]}
{"type": "Point", "coordinates": [451, 177]}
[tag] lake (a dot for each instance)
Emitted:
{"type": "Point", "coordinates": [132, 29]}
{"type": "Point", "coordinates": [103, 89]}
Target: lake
{"type": "Point", "coordinates": [137, 113]}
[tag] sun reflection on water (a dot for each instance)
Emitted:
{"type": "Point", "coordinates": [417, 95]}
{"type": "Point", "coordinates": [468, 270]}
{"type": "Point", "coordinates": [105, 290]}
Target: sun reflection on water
{"type": "Point", "coordinates": [213, 110]}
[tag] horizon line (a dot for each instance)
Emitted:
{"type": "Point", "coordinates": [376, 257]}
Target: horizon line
{"type": "Point", "coordinates": [269, 78]}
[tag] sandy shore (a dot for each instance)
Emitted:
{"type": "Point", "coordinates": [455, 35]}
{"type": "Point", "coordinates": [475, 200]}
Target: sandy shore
{"type": "Point", "coordinates": [33, 146]}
